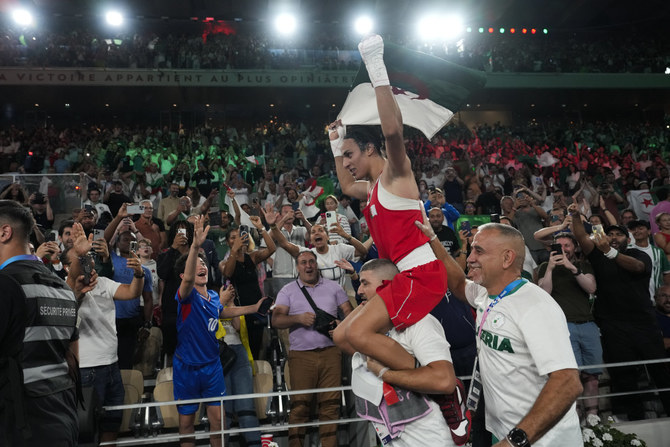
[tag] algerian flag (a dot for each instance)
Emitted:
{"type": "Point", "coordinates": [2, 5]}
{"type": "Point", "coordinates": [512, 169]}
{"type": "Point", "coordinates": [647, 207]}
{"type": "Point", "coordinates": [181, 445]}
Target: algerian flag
{"type": "Point", "coordinates": [428, 90]}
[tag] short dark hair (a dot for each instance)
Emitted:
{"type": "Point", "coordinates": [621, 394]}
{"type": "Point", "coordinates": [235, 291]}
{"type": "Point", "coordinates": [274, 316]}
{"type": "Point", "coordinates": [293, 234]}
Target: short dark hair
{"type": "Point", "coordinates": [363, 135]}
{"type": "Point", "coordinates": [180, 263]}
{"type": "Point", "coordinates": [63, 225]}
{"type": "Point", "coordinates": [662, 193]}
{"type": "Point", "coordinates": [18, 217]}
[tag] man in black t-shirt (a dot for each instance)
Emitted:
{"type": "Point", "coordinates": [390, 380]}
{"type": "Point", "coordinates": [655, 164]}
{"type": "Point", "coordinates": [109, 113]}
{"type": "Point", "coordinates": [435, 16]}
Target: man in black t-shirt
{"type": "Point", "coordinates": [624, 312]}
{"type": "Point", "coordinates": [446, 235]}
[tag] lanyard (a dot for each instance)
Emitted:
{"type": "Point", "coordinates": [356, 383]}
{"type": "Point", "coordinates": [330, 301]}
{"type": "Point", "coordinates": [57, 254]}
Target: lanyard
{"type": "Point", "coordinates": [502, 295]}
{"type": "Point", "coordinates": [19, 258]}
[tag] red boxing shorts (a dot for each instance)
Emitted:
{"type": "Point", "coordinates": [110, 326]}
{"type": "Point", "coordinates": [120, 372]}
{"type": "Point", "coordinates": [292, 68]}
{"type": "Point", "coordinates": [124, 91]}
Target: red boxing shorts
{"type": "Point", "coordinates": [413, 293]}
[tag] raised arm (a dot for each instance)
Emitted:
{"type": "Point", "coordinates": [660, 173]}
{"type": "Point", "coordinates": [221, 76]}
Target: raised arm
{"type": "Point", "coordinates": [348, 184]}
{"type": "Point", "coordinates": [579, 232]}
{"type": "Point", "coordinates": [261, 255]}
{"type": "Point", "coordinates": [199, 236]}
{"type": "Point", "coordinates": [372, 53]}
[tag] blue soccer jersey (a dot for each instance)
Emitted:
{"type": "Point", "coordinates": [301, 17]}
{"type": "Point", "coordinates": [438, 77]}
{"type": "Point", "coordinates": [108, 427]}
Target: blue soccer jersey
{"type": "Point", "coordinates": [197, 323]}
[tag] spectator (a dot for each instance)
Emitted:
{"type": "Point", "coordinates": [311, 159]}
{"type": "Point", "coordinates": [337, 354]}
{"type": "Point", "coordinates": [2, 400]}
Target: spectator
{"type": "Point", "coordinates": [660, 266]}
{"type": "Point", "coordinates": [314, 360]}
{"type": "Point", "coordinates": [179, 240]}
{"type": "Point", "coordinates": [571, 283]}
{"type": "Point", "coordinates": [528, 218]}
{"type": "Point", "coordinates": [42, 212]}
{"type": "Point", "coordinates": [115, 197]}
{"type": "Point", "coordinates": [98, 342]}
{"type": "Point", "coordinates": [150, 227]}
{"type": "Point", "coordinates": [93, 199]}
{"type": "Point", "coordinates": [283, 263]}
{"type": "Point", "coordinates": [663, 206]}
{"type": "Point", "coordinates": [197, 368]}
{"type": "Point", "coordinates": [662, 297]}
{"type": "Point", "coordinates": [170, 203]}
{"type": "Point", "coordinates": [624, 312]}
{"type": "Point", "coordinates": [241, 268]}
{"type": "Point", "coordinates": [662, 236]}
{"type": "Point", "coordinates": [331, 203]}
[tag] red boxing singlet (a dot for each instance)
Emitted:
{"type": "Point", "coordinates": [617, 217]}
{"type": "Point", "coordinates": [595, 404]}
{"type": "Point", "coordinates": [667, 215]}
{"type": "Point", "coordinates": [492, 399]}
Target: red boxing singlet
{"type": "Point", "coordinates": [394, 231]}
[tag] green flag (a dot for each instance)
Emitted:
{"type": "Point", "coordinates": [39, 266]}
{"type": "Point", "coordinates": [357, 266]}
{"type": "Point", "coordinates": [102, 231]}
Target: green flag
{"type": "Point", "coordinates": [429, 90]}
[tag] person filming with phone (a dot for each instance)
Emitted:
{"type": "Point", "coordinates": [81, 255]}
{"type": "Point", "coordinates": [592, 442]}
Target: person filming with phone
{"type": "Point", "coordinates": [570, 281]}
{"type": "Point", "coordinates": [241, 268]}
{"type": "Point", "coordinates": [624, 312]}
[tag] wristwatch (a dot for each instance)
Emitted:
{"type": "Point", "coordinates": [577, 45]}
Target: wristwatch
{"type": "Point", "coordinates": [518, 438]}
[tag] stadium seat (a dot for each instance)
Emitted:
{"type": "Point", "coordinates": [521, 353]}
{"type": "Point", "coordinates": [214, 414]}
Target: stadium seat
{"type": "Point", "coordinates": [163, 392]}
{"type": "Point", "coordinates": [263, 382]}
{"type": "Point", "coordinates": [133, 385]}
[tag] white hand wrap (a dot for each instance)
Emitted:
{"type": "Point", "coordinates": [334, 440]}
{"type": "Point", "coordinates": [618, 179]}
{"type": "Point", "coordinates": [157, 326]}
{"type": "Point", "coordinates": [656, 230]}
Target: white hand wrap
{"type": "Point", "coordinates": [372, 53]}
{"type": "Point", "coordinates": [336, 144]}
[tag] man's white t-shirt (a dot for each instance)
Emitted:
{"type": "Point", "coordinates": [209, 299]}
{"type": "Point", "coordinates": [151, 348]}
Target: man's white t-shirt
{"type": "Point", "coordinates": [97, 328]}
{"type": "Point", "coordinates": [524, 338]}
{"type": "Point", "coordinates": [426, 341]}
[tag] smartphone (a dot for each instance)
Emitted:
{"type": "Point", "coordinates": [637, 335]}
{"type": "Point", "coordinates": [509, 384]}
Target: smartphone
{"type": "Point", "coordinates": [519, 195]}
{"type": "Point", "coordinates": [265, 306]}
{"type": "Point", "coordinates": [88, 208]}
{"type": "Point", "coordinates": [495, 218]}
{"type": "Point", "coordinates": [135, 209]}
{"type": "Point", "coordinates": [555, 217]}
{"type": "Point", "coordinates": [87, 268]}
{"type": "Point", "coordinates": [465, 226]}
{"type": "Point", "coordinates": [133, 246]}
{"type": "Point", "coordinates": [182, 231]}
{"type": "Point", "coordinates": [295, 206]}
{"type": "Point", "coordinates": [598, 229]}
{"type": "Point", "coordinates": [558, 248]}
{"type": "Point", "coordinates": [331, 218]}
{"type": "Point", "coordinates": [98, 234]}
{"type": "Point", "coordinates": [215, 218]}
{"type": "Point", "coordinates": [244, 229]}
{"type": "Point", "coordinates": [52, 236]}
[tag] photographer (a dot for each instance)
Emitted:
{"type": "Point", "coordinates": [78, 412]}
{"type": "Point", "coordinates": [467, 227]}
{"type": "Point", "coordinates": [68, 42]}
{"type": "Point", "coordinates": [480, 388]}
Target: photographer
{"type": "Point", "coordinates": [314, 360]}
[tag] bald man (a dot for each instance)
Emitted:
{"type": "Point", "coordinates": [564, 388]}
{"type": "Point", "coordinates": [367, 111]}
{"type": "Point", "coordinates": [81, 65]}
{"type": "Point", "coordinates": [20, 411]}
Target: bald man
{"type": "Point", "coordinates": [529, 373]}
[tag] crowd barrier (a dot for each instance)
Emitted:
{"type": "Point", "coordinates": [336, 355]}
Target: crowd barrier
{"type": "Point", "coordinates": [63, 190]}
{"type": "Point", "coordinates": [648, 426]}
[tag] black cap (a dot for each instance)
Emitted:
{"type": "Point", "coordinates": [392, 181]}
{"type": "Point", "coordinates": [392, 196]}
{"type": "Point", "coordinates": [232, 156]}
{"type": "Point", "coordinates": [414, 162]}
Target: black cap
{"type": "Point", "coordinates": [639, 223]}
{"type": "Point", "coordinates": [621, 228]}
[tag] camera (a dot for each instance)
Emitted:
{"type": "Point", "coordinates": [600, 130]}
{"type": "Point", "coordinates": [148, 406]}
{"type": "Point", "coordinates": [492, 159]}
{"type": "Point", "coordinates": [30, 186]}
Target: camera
{"type": "Point", "coordinates": [133, 246]}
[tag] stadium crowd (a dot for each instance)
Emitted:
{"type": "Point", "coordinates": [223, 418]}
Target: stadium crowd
{"type": "Point", "coordinates": [222, 47]}
{"type": "Point", "coordinates": [266, 188]}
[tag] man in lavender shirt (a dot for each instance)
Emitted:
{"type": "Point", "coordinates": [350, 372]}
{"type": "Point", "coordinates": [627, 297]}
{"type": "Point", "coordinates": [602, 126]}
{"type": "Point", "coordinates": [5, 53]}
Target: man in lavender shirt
{"type": "Point", "coordinates": [314, 360]}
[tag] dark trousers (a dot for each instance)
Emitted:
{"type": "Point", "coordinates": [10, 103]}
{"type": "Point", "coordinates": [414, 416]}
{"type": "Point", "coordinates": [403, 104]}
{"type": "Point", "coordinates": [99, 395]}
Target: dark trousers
{"type": "Point", "coordinates": [126, 331]}
{"type": "Point", "coordinates": [626, 342]}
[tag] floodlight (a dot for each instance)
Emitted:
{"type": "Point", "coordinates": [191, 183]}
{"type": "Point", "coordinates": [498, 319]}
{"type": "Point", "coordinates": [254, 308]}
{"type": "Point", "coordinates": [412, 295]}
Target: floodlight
{"type": "Point", "coordinates": [286, 23]}
{"type": "Point", "coordinates": [363, 25]}
{"type": "Point", "coordinates": [114, 18]}
{"type": "Point", "coordinates": [440, 27]}
{"type": "Point", "coordinates": [22, 17]}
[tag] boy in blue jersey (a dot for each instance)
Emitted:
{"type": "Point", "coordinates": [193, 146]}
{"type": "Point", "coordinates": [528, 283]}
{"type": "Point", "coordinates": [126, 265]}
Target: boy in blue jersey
{"type": "Point", "coordinates": [197, 368]}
